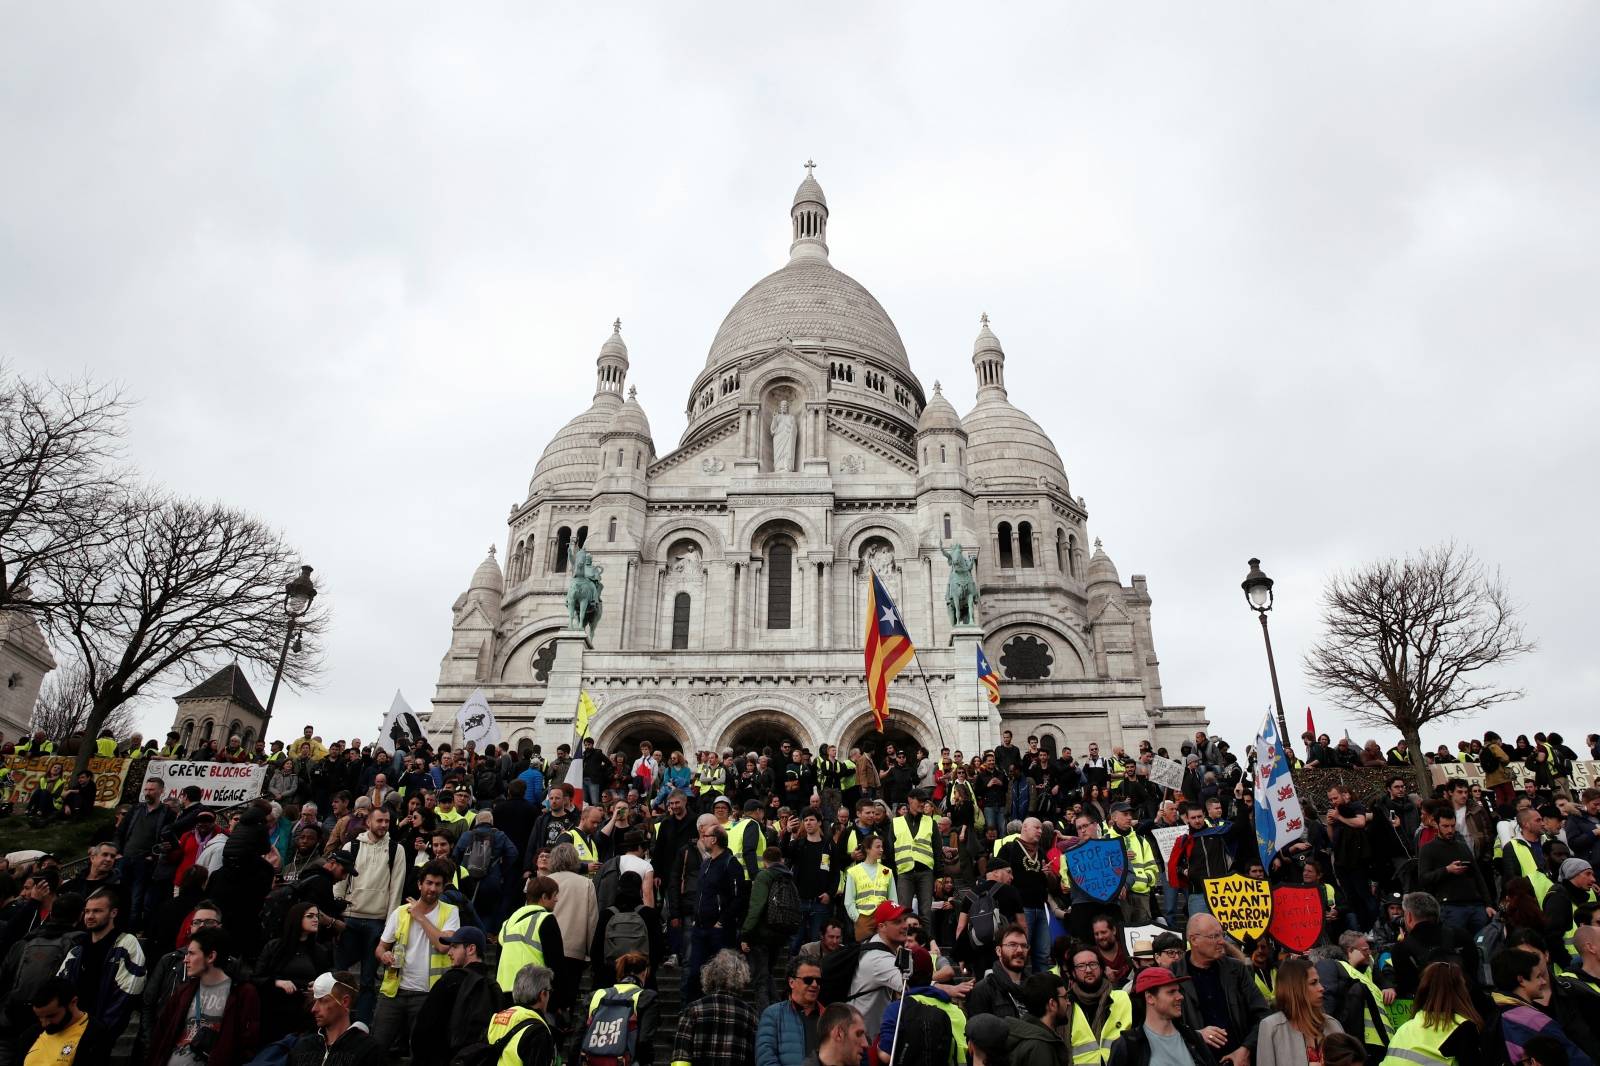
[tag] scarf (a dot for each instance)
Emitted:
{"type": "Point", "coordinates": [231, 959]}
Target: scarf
{"type": "Point", "coordinates": [1094, 1000]}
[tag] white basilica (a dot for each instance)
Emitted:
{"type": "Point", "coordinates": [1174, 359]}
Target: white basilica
{"type": "Point", "coordinates": [734, 567]}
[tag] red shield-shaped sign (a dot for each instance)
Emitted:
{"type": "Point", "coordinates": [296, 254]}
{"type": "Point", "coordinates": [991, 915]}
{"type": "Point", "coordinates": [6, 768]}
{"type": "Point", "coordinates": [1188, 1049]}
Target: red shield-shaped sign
{"type": "Point", "coordinates": [1296, 916]}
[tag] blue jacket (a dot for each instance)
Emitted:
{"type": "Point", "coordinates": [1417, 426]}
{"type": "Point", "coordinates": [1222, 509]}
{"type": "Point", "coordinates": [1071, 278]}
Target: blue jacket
{"type": "Point", "coordinates": [1521, 1022]}
{"type": "Point", "coordinates": [532, 785]}
{"type": "Point", "coordinates": [785, 1037]}
{"type": "Point", "coordinates": [718, 886]}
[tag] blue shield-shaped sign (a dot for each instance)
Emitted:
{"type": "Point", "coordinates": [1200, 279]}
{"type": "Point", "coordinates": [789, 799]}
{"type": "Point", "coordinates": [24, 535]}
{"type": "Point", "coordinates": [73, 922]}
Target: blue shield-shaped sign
{"type": "Point", "coordinates": [1099, 868]}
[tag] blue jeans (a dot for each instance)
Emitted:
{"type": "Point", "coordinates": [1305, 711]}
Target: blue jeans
{"type": "Point", "coordinates": [812, 915]}
{"type": "Point", "coordinates": [1466, 916]}
{"type": "Point", "coordinates": [1038, 919]}
{"type": "Point", "coordinates": [1197, 904]}
{"type": "Point", "coordinates": [134, 873]}
{"type": "Point", "coordinates": [1169, 906]}
{"type": "Point", "coordinates": [703, 943]}
{"type": "Point", "coordinates": [996, 816]}
{"type": "Point", "coordinates": [356, 945]}
{"type": "Point", "coordinates": [591, 792]}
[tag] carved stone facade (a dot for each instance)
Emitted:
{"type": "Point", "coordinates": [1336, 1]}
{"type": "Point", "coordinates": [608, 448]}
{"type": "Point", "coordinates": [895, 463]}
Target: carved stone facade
{"type": "Point", "coordinates": [735, 566]}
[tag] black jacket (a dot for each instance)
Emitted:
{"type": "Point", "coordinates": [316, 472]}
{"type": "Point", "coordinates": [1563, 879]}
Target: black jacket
{"type": "Point", "coordinates": [355, 1048]}
{"type": "Point", "coordinates": [1246, 1006]}
{"type": "Point", "coordinates": [1133, 1047]}
{"type": "Point", "coordinates": [996, 994]}
{"type": "Point", "coordinates": [1431, 942]}
{"type": "Point", "coordinates": [456, 1012]}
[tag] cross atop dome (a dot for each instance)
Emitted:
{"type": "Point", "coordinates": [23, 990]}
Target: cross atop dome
{"type": "Point", "coordinates": [810, 166]}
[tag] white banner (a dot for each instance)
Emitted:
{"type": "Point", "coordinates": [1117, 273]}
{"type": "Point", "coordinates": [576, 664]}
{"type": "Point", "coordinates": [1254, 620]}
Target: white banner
{"type": "Point", "coordinates": [1167, 836]}
{"type": "Point", "coordinates": [222, 784]}
{"type": "Point", "coordinates": [477, 721]}
{"type": "Point", "coordinates": [400, 725]}
{"type": "Point", "coordinates": [1278, 817]}
{"type": "Point", "coordinates": [1142, 936]}
{"type": "Point", "coordinates": [1168, 773]}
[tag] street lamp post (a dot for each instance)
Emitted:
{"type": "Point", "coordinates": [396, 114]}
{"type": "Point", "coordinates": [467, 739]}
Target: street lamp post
{"type": "Point", "coordinates": [297, 597]}
{"type": "Point", "coordinates": [1258, 594]}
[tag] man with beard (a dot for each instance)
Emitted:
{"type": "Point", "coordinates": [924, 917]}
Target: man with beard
{"type": "Point", "coordinates": [62, 1025]}
{"type": "Point", "coordinates": [1100, 1012]}
{"type": "Point", "coordinates": [107, 971]}
{"type": "Point", "coordinates": [551, 827]}
{"type": "Point", "coordinates": [1111, 950]}
{"type": "Point", "coordinates": [1000, 991]}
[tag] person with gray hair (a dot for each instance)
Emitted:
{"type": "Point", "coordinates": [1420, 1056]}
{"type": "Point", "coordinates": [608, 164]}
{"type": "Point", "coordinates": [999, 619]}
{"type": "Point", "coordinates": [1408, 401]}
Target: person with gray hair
{"type": "Point", "coordinates": [1428, 940]}
{"type": "Point", "coordinates": [720, 1026]}
{"type": "Point", "coordinates": [531, 1042]}
{"type": "Point", "coordinates": [577, 913]}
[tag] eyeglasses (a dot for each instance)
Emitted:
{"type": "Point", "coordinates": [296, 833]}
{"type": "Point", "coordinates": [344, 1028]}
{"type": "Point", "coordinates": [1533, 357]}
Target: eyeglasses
{"type": "Point", "coordinates": [809, 980]}
{"type": "Point", "coordinates": [1086, 966]}
{"type": "Point", "coordinates": [205, 923]}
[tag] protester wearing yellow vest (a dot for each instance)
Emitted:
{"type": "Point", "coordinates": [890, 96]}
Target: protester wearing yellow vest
{"type": "Point", "coordinates": [412, 950]}
{"type": "Point", "coordinates": [523, 1027]}
{"type": "Point", "coordinates": [105, 745]}
{"type": "Point", "coordinates": [913, 855]}
{"type": "Point", "coordinates": [522, 936]}
{"type": "Point", "coordinates": [1523, 856]}
{"type": "Point", "coordinates": [1561, 908]}
{"type": "Point", "coordinates": [747, 839]}
{"type": "Point", "coordinates": [1099, 1016]}
{"type": "Point", "coordinates": [1376, 1030]}
{"type": "Point", "coordinates": [36, 745]}
{"type": "Point", "coordinates": [1143, 867]}
{"type": "Point", "coordinates": [1418, 1043]}
{"type": "Point", "coordinates": [867, 884]}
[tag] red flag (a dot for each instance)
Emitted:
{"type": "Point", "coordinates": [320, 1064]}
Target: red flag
{"type": "Point", "coordinates": [1311, 727]}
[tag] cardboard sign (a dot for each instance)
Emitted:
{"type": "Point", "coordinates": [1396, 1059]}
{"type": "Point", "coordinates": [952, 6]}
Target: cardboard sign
{"type": "Point", "coordinates": [1168, 773]}
{"type": "Point", "coordinates": [1296, 916]}
{"type": "Point", "coordinates": [1099, 868]}
{"type": "Point", "coordinates": [1399, 1013]}
{"type": "Point", "coordinates": [222, 784]}
{"type": "Point", "coordinates": [1242, 904]}
{"type": "Point", "coordinates": [26, 771]}
{"type": "Point", "coordinates": [1142, 936]}
{"type": "Point", "coordinates": [1167, 837]}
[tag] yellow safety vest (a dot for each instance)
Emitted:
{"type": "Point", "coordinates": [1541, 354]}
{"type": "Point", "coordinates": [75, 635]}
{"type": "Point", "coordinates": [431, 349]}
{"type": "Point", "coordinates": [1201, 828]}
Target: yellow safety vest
{"type": "Point", "coordinates": [743, 848]}
{"type": "Point", "coordinates": [1530, 870]}
{"type": "Point", "coordinates": [586, 851]}
{"type": "Point", "coordinates": [519, 943]}
{"type": "Point", "coordinates": [958, 1026]}
{"type": "Point", "coordinates": [1142, 862]}
{"type": "Point", "coordinates": [1466, 756]}
{"type": "Point", "coordinates": [106, 747]}
{"type": "Point", "coordinates": [508, 1019]}
{"type": "Point", "coordinates": [438, 961]}
{"type": "Point", "coordinates": [46, 747]}
{"type": "Point", "coordinates": [847, 779]}
{"type": "Point", "coordinates": [1374, 1019]}
{"type": "Point", "coordinates": [871, 889]}
{"type": "Point", "coordinates": [1091, 1050]}
{"type": "Point", "coordinates": [452, 815]}
{"type": "Point", "coordinates": [909, 850]}
{"type": "Point", "coordinates": [1570, 937]}
{"type": "Point", "coordinates": [1417, 1045]}
{"type": "Point", "coordinates": [1264, 981]}
{"type": "Point", "coordinates": [1001, 842]}
{"type": "Point", "coordinates": [706, 777]}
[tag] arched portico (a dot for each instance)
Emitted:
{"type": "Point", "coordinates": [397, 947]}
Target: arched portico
{"type": "Point", "coordinates": [767, 714]}
{"type": "Point", "coordinates": [626, 728]}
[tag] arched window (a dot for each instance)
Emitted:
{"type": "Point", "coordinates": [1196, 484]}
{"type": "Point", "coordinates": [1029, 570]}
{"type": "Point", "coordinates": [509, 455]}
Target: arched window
{"type": "Point", "coordinates": [1025, 543]}
{"type": "Point", "coordinates": [1006, 562]}
{"type": "Point", "coordinates": [1061, 551]}
{"type": "Point", "coordinates": [563, 546]}
{"type": "Point", "coordinates": [619, 458]}
{"type": "Point", "coordinates": [583, 535]}
{"type": "Point", "coordinates": [611, 529]}
{"type": "Point", "coordinates": [941, 453]}
{"type": "Point", "coordinates": [946, 527]}
{"type": "Point", "coordinates": [1072, 554]}
{"type": "Point", "coordinates": [188, 734]}
{"type": "Point", "coordinates": [680, 621]}
{"type": "Point", "coordinates": [206, 729]}
{"type": "Point", "coordinates": [233, 728]}
{"type": "Point", "coordinates": [780, 582]}
{"type": "Point", "coordinates": [249, 737]}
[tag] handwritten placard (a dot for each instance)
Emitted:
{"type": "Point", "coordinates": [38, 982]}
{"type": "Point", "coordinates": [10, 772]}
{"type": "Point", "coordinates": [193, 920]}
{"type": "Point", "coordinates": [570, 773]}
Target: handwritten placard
{"type": "Point", "coordinates": [1099, 868]}
{"type": "Point", "coordinates": [1241, 904]}
{"type": "Point", "coordinates": [27, 771]}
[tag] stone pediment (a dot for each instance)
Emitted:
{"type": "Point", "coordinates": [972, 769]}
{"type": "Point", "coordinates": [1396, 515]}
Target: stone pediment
{"type": "Point", "coordinates": [1111, 613]}
{"type": "Point", "coordinates": [879, 444]}
{"type": "Point", "coordinates": [698, 448]}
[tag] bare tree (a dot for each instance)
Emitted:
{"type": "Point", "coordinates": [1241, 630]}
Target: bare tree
{"type": "Point", "coordinates": [180, 587]}
{"type": "Point", "coordinates": [1410, 642]}
{"type": "Point", "coordinates": [66, 701]}
{"type": "Point", "coordinates": [61, 486]}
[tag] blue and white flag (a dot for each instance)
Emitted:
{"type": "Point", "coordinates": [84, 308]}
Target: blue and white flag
{"type": "Point", "coordinates": [1279, 821]}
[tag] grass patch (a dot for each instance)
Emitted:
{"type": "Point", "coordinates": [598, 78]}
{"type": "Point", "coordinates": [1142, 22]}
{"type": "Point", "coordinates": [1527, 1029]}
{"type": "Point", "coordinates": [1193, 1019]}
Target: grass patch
{"type": "Point", "coordinates": [68, 841]}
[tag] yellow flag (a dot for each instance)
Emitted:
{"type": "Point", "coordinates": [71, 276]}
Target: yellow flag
{"type": "Point", "coordinates": [586, 711]}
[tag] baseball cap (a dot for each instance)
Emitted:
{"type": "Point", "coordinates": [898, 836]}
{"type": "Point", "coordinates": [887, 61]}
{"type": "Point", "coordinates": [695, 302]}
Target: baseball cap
{"type": "Point", "coordinates": [346, 858]}
{"type": "Point", "coordinates": [1117, 808]}
{"type": "Point", "coordinates": [467, 934]}
{"type": "Point", "coordinates": [1155, 977]}
{"type": "Point", "coordinates": [1572, 868]}
{"type": "Point", "coordinates": [888, 912]}
{"type": "Point", "coordinates": [723, 800]}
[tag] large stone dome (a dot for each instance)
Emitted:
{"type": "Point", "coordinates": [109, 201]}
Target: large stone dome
{"type": "Point", "coordinates": [1004, 444]}
{"type": "Point", "coordinates": [573, 455]}
{"type": "Point", "coordinates": [808, 300]}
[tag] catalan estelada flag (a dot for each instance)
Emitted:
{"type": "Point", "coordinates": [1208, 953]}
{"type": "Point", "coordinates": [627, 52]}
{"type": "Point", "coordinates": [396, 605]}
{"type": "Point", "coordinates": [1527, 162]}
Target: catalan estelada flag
{"type": "Point", "coordinates": [889, 648]}
{"type": "Point", "coordinates": [988, 677]}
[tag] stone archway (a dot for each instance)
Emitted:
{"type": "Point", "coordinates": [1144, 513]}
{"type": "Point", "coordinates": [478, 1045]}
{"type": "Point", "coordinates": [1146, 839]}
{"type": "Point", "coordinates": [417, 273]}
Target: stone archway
{"type": "Point", "coordinates": [626, 730]}
{"type": "Point", "coordinates": [761, 728]}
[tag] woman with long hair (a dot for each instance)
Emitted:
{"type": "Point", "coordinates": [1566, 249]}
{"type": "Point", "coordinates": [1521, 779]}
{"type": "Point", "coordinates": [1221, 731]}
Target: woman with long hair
{"type": "Point", "coordinates": [287, 967]}
{"type": "Point", "coordinates": [867, 884]}
{"type": "Point", "coordinates": [1445, 1026]}
{"type": "Point", "coordinates": [1519, 908]}
{"type": "Point", "coordinates": [1293, 1035]}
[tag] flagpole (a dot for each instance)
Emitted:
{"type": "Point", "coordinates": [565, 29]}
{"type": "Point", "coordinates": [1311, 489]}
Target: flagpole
{"type": "Point", "coordinates": [933, 707]}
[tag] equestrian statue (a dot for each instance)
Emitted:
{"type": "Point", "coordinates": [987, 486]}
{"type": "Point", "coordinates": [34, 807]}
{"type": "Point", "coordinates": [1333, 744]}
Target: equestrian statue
{"type": "Point", "coordinates": [961, 592]}
{"type": "Point", "coordinates": [583, 593]}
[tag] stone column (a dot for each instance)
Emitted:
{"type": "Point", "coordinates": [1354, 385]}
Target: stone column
{"type": "Point", "coordinates": [977, 721]}
{"type": "Point", "coordinates": [827, 605]}
{"type": "Point", "coordinates": [555, 725]}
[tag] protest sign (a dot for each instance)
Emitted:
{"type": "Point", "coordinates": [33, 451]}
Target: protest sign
{"type": "Point", "coordinates": [1098, 867]}
{"type": "Point", "coordinates": [26, 770]}
{"type": "Point", "coordinates": [1166, 837]}
{"type": "Point", "coordinates": [1399, 1012]}
{"type": "Point", "coordinates": [1168, 773]}
{"type": "Point", "coordinates": [1138, 937]}
{"type": "Point", "coordinates": [222, 784]}
{"type": "Point", "coordinates": [1296, 916]}
{"type": "Point", "coordinates": [1242, 904]}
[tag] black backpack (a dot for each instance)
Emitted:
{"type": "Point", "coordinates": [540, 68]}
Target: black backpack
{"type": "Point", "coordinates": [275, 908]}
{"type": "Point", "coordinates": [983, 917]}
{"type": "Point", "coordinates": [923, 1035]}
{"type": "Point", "coordinates": [39, 959]}
{"type": "Point", "coordinates": [839, 969]}
{"type": "Point", "coordinates": [783, 912]}
{"type": "Point", "coordinates": [605, 882]}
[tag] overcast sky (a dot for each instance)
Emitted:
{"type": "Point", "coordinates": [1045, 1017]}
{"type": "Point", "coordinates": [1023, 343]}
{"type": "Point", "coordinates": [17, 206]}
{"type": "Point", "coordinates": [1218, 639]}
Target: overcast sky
{"type": "Point", "coordinates": [1313, 283]}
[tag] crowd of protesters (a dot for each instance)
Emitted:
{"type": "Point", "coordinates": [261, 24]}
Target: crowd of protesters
{"type": "Point", "coordinates": [783, 907]}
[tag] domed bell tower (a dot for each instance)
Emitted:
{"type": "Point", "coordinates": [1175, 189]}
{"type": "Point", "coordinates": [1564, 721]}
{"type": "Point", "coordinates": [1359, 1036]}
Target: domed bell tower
{"type": "Point", "coordinates": [809, 219]}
